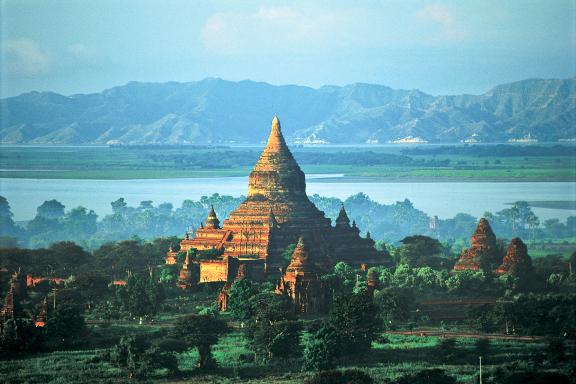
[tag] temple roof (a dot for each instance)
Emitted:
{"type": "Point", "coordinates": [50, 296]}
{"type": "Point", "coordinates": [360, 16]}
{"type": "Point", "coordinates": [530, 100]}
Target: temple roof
{"type": "Point", "coordinates": [484, 228]}
{"type": "Point", "coordinates": [276, 172]}
{"type": "Point", "coordinates": [300, 257]}
{"type": "Point", "coordinates": [342, 219]}
{"type": "Point", "coordinates": [212, 220]}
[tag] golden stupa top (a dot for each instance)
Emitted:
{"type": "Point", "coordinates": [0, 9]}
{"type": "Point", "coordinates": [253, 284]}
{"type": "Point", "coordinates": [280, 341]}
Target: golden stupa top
{"type": "Point", "coordinates": [276, 174]}
{"type": "Point", "coordinates": [276, 154]}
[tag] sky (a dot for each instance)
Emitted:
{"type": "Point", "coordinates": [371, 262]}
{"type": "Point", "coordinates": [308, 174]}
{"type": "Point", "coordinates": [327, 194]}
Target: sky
{"type": "Point", "coordinates": [439, 47]}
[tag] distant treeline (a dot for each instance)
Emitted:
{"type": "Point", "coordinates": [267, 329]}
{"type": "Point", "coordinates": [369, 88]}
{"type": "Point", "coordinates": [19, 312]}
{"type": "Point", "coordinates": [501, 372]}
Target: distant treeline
{"type": "Point", "coordinates": [235, 158]}
{"type": "Point", "coordinates": [167, 146]}
{"type": "Point", "coordinates": [501, 150]}
{"type": "Point", "coordinates": [387, 222]}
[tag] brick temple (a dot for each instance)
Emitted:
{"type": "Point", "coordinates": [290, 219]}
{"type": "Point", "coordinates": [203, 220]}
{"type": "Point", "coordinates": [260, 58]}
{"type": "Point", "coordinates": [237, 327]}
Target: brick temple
{"type": "Point", "coordinates": [275, 214]}
{"type": "Point", "coordinates": [482, 248]}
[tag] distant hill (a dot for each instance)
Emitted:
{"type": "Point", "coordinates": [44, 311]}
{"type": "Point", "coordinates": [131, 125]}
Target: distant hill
{"type": "Point", "coordinates": [220, 112]}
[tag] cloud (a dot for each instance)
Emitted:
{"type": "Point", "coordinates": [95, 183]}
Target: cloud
{"type": "Point", "coordinates": [441, 15]}
{"type": "Point", "coordinates": [24, 57]}
{"type": "Point", "coordinates": [81, 52]}
{"type": "Point", "coordinates": [273, 28]}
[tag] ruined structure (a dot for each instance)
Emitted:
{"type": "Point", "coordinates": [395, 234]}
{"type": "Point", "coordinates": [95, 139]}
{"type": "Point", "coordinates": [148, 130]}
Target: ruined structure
{"type": "Point", "coordinates": [42, 317]}
{"type": "Point", "coordinates": [302, 285]}
{"type": "Point", "coordinates": [222, 300]}
{"type": "Point", "coordinates": [516, 262]}
{"type": "Point", "coordinates": [187, 277]}
{"type": "Point", "coordinates": [372, 281]}
{"type": "Point", "coordinates": [11, 308]}
{"type": "Point", "coordinates": [482, 249]}
{"type": "Point", "coordinates": [275, 213]}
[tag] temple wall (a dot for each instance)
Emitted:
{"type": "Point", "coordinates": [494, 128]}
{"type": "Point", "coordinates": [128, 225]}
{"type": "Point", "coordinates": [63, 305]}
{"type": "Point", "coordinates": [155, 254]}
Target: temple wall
{"type": "Point", "coordinates": [213, 270]}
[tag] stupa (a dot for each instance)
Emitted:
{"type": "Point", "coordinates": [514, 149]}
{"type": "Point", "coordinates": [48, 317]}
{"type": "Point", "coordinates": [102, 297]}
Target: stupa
{"type": "Point", "coordinates": [302, 285]}
{"type": "Point", "coordinates": [482, 248]}
{"type": "Point", "coordinates": [274, 215]}
{"type": "Point", "coordinates": [516, 262]}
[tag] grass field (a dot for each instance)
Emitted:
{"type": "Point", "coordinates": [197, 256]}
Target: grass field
{"type": "Point", "coordinates": [392, 357]}
{"type": "Point", "coordinates": [178, 162]}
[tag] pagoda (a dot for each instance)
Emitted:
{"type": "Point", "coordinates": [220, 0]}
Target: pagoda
{"type": "Point", "coordinates": [482, 248]}
{"type": "Point", "coordinates": [301, 283]}
{"type": "Point", "coordinates": [517, 262]}
{"type": "Point", "coordinates": [274, 215]}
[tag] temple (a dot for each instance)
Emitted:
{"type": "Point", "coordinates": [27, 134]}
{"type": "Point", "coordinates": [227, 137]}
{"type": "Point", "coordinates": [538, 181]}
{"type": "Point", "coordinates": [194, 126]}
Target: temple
{"type": "Point", "coordinates": [481, 251]}
{"type": "Point", "coordinates": [517, 262]}
{"type": "Point", "coordinates": [274, 215]}
{"type": "Point", "coordinates": [302, 285]}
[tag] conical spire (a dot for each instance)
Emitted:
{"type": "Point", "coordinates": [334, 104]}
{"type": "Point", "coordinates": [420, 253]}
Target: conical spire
{"type": "Point", "coordinates": [484, 237]}
{"type": "Point", "coordinates": [276, 173]}
{"type": "Point", "coordinates": [517, 261]}
{"type": "Point", "coordinates": [212, 220]}
{"type": "Point", "coordinates": [300, 256]}
{"type": "Point", "coordinates": [187, 260]}
{"type": "Point", "coordinates": [342, 220]}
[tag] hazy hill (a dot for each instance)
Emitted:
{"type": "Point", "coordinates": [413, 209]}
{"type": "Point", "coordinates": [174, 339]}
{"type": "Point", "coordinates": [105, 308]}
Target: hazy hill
{"type": "Point", "coordinates": [219, 111]}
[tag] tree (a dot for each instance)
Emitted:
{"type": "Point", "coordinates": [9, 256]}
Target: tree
{"type": "Point", "coordinates": [355, 318]}
{"type": "Point", "coordinates": [142, 296]}
{"type": "Point", "coordinates": [91, 286]}
{"type": "Point", "coordinates": [51, 210]}
{"type": "Point", "coordinates": [418, 251]}
{"type": "Point", "coordinates": [69, 255]}
{"type": "Point", "coordinates": [200, 331]}
{"type": "Point", "coordinates": [322, 349]}
{"type": "Point", "coordinates": [20, 335]}
{"type": "Point", "coordinates": [395, 304]}
{"type": "Point", "coordinates": [7, 226]}
{"type": "Point", "coordinates": [80, 223]}
{"type": "Point", "coordinates": [139, 358]}
{"type": "Point", "coordinates": [239, 299]}
{"type": "Point", "coordinates": [276, 339]}
{"type": "Point", "coordinates": [273, 331]}
{"type": "Point", "coordinates": [119, 206]}
{"type": "Point", "coordinates": [65, 324]}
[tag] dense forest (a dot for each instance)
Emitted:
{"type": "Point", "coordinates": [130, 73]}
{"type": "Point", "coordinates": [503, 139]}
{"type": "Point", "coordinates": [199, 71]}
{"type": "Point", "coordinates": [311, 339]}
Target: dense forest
{"type": "Point", "coordinates": [386, 223]}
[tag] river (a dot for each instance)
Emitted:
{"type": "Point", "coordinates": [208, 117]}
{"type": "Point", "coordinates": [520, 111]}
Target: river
{"type": "Point", "coordinates": [442, 199]}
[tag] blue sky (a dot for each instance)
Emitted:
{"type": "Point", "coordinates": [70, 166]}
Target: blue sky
{"type": "Point", "coordinates": [439, 47]}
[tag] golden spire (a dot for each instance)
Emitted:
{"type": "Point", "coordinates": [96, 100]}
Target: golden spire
{"type": "Point", "coordinates": [276, 173]}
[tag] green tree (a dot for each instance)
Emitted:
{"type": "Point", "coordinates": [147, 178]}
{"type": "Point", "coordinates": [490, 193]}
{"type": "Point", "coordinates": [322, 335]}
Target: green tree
{"type": "Point", "coordinates": [202, 332]}
{"type": "Point", "coordinates": [7, 226]}
{"type": "Point", "coordinates": [322, 349]}
{"type": "Point", "coordinates": [65, 324]}
{"type": "Point", "coordinates": [79, 223]}
{"type": "Point", "coordinates": [355, 318]}
{"type": "Point", "coordinates": [51, 210]}
{"type": "Point", "coordinates": [138, 358]}
{"type": "Point", "coordinates": [142, 296]}
{"type": "Point", "coordinates": [395, 304]}
{"type": "Point", "coordinates": [91, 285]}
{"type": "Point", "coordinates": [418, 251]}
{"type": "Point", "coordinates": [239, 299]}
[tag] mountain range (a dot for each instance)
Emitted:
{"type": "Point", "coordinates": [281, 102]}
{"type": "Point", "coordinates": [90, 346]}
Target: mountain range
{"type": "Point", "coordinates": [216, 111]}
